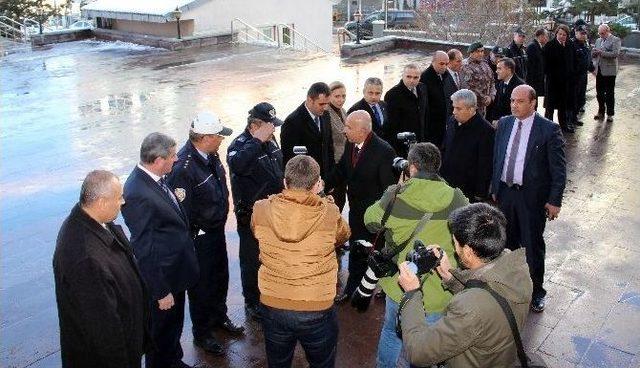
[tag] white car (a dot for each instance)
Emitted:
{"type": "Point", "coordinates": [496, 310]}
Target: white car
{"type": "Point", "coordinates": [82, 24]}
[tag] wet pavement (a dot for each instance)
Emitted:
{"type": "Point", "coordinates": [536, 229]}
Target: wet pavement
{"type": "Point", "coordinates": [74, 107]}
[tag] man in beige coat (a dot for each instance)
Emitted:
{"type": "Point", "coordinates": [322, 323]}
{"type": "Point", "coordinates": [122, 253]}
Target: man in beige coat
{"type": "Point", "coordinates": [474, 331]}
{"type": "Point", "coordinates": [605, 59]}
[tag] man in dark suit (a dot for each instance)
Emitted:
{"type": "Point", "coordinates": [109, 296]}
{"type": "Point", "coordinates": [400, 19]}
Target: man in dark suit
{"type": "Point", "coordinates": [451, 85]}
{"type": "Point", "coordinates": [434, 78]}
{"type": "Point", "coordinates": [535, 61]}
{"type": "Point", "coordinates": [310, 125]}
{"type": "Point", "coordinates": [366, 169]}
{"type": "Point", "coordinates": [102, 301]}
{"type": "Point", "coordinates": [376, 108]}
{"type": "Point", "coordinates": [406, 109]}
{"type": "Point", "coordinates": [507, 81]}
{"type": "Point", "coordinates": [529, 177]}
{"type": "Point", "coordinates": [467, 152]}
{"type": "Point", "coordinates": [161, 240]}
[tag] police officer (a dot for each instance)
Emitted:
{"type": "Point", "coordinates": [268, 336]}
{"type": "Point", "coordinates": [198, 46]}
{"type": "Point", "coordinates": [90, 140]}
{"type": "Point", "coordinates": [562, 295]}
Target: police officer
{"type": "Point", "coordinates": [255, 163]}
{"type": "Point", "coordinates": [199, 183]}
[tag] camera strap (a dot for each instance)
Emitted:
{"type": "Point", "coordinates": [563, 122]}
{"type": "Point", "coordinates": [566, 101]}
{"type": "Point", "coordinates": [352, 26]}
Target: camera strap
{"type": "Point", "coordinates": [508, 312]}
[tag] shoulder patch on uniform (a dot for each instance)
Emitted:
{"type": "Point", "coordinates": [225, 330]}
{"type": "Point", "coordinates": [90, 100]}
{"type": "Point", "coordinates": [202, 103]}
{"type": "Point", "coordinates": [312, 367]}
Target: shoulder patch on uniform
{"type": "Point", "coordinates": [181, 194]}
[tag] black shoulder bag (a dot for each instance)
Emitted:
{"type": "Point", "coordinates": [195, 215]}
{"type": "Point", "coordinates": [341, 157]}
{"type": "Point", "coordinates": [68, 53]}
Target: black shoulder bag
{"type": "Point", "coordinates": [532, 360]}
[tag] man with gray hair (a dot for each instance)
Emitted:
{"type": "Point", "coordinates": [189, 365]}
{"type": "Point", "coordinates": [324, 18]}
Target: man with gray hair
{"type": "Point", "coordinates": [467, 154]}
{"type": "Point", "coordinates": [162, 242]}
{"type": "Point", "coordinates": [102, 301]}
{"type": "Point", "coordinates": [605, 59]}
{"type": "Point", "coordinates": [407, 107]}
{"type": "Point", "coordinates": [372, 103]}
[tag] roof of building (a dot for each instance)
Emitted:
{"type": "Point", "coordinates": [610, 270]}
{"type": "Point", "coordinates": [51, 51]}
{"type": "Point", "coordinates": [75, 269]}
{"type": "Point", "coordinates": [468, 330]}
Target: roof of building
{"type": "Point", "coordinates": [158, 11]}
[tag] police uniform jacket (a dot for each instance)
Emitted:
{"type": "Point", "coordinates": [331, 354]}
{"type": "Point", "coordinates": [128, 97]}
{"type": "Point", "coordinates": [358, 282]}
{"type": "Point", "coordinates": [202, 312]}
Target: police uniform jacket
{"type": "Point", "coordinates": [256, 169]}
{"type": "Point", "coordinates": [201, 187]}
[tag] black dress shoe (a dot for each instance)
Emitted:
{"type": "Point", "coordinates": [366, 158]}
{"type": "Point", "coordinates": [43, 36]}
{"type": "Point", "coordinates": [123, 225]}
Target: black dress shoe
{"type": "Point", "coordinates": [253, 312]}
{"type": "Point", "coordinates": [538, 304]}
{"type": "Point", "coordinates": [210, 345]}
{"type": "Point", "coordinates": [341, 298]}
{"type": "Point", "coordinates": [228, 326]}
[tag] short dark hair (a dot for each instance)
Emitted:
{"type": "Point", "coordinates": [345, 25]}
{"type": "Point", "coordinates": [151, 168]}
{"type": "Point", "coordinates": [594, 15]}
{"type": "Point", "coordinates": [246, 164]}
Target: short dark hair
{"type": "Point", "coordinates": [155, 145]}
{"type": "Point", "coordinates": [425, 157]}
{"type": "Point", "coordinates": [96, 185]}
{"type": "Point", "coordinates": [509, 63]}
{"type": "Point", "coordinates": [540, 32]}
{"type": "Point", "coordinates": [481, 227]}
{"type": "Point", "coordinates": [317, 89]}
{"type": "Point", "coordinates": [302, 172]}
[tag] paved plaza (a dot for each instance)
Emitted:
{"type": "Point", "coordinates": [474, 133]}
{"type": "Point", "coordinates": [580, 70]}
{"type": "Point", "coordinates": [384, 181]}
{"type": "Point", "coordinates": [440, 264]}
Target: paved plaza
{"type": "Point", "coordinates": [74, 107]}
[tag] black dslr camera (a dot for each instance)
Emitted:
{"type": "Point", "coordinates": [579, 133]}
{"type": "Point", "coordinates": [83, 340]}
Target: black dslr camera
{"type": "Point", "coordinates": [424, 258]}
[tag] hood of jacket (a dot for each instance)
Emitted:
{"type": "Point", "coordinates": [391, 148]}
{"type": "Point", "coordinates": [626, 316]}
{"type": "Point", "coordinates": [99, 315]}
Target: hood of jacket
{"type": "Point", "coordinates": [307, 208]}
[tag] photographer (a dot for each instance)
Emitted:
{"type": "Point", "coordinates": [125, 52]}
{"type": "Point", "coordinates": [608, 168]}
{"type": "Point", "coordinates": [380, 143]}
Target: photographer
{"type": "Point", "coordinates": [298, 231]}
{"type": "Point", "coordinates": [473, 331]}
{"type": "Point", "coordinates": [420, 205]}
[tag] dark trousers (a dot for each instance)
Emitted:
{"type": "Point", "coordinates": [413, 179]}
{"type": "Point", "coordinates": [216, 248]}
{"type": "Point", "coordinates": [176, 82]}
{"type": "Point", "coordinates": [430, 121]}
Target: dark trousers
{"type": "Point", "coordinates": [208, 297]}
{"type": "Point", "coordinates": [316, 331]}
{"type": "Point", "coordinates": [249, 264]}
{"type": "Point", "coordinates": [565, 116]}
{"type": "Point", "coordinates": [605, 86]}
{"type": "Point", "coordinates": [166, 329]}
{"type": "Point", "coordinates": [525, 226]}
{"type": "Point", "coordinates": [581, 92]}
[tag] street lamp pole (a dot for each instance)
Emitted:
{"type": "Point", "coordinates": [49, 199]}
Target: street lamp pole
{"type": "Point", "coordinates": [176, 14]}
{"type": "Point", "coordinates": [357, 15]}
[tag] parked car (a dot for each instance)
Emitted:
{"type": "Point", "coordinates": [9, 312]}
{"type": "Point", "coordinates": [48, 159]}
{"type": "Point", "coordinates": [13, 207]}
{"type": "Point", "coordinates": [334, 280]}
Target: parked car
{"type": "Point", "coordinates": [395, 18]}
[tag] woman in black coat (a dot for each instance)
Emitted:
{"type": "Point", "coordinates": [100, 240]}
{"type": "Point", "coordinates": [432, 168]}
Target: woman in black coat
{"type": "Point", "coordinates": [559, 68]}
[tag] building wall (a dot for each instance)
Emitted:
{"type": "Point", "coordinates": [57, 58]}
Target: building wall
{"type": "Point", "coordinates": [311, 17]}
{"type": "Point", "coordinates": [168, 29]}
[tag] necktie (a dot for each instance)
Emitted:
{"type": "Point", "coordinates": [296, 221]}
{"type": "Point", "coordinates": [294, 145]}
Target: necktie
{"type": "Point", "coordinates": [317, 119]}
{"type": "Point", "coordinates": [511, 164]}
{"type": "Point", "coordinates": [165, 187]}
{"type": "Point", "coordinates": [376, 111]}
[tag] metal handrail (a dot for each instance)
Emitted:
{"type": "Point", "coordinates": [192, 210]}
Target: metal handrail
{"type": "Point", "coordinates": [306, 39]}
{"type": "Point", "coordinates": [248, 26]}
{"type": "Point", "coordinates": [11, 31]}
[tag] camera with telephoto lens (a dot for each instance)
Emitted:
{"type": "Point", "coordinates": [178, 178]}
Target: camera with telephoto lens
{"type": "Point", "coordinates": [380, 264]}
{"type": "Point", "coordinates": [300, 150]}
{"type": "Point", "coordinates": [424, 258]}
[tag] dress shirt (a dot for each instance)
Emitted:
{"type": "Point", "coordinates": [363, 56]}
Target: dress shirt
{"type": "Point", "coordinates": [527, 123]}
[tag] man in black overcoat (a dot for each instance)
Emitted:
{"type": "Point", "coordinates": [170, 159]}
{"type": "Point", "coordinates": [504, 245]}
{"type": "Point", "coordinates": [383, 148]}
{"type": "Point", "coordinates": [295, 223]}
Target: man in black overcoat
{"type": "Point", "coordinates": [103, 305]}
{"type": "Point", "coordinates": [467, 153]}
{"type": "Point", "coordinates": [407, 109]}
{"type": "Point", "coordinates": [366, 169]}
{"type": "Point", "coordinates": [310, 125]}
{"type": "Point", "coordinates": [535, 61]}
{"type": "Point", "coordinates": [435, 78]}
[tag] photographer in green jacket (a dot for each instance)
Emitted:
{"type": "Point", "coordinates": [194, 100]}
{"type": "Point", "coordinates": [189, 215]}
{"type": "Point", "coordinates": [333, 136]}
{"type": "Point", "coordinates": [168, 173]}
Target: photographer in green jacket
{"type": "Point", "coordinates": [420, 205]}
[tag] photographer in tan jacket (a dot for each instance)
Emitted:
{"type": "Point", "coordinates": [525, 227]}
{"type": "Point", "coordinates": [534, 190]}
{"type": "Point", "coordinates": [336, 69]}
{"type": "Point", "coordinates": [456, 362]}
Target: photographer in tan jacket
{"type": "Point", "coordinates": [297, 232]}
